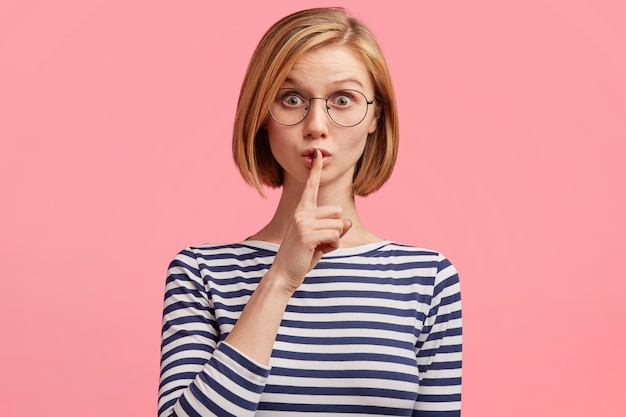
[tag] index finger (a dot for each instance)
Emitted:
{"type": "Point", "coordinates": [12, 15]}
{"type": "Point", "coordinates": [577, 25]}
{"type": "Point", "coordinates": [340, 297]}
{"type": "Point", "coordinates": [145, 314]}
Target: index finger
{"type": "Point", "coordinates": [309, 194]}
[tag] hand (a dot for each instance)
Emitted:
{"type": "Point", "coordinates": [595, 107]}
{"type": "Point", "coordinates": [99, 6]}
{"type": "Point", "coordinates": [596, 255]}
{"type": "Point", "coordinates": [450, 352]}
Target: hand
{"type": "Point", "coordinates": [312, 232]}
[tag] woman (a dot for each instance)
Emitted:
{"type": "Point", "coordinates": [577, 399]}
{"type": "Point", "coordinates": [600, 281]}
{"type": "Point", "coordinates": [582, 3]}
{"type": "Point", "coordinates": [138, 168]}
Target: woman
{"type": "Point", "coordinates": [314, 314]}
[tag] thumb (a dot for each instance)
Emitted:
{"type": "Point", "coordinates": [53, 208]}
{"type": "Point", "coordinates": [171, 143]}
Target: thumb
{"type": "Point", "coordinates": [316, 258]}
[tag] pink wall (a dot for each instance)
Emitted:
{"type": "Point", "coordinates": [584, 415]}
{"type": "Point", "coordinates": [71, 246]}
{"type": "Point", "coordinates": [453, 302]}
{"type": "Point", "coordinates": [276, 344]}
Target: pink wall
{"type": "Point", "coordinates": [115, 120]}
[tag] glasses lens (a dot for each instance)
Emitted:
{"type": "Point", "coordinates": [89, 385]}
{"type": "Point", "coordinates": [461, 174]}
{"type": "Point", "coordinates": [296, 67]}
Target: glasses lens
{"type": "Point", "coordinates": [347, 107]}
{"type": "Point", "coordinates": [290, 107]}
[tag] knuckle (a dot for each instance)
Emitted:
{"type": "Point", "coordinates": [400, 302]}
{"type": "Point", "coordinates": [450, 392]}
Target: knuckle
{"type": "Point", "coordinates": [300, 216]}
{"type": "Point", "coordinates": [301, 228]}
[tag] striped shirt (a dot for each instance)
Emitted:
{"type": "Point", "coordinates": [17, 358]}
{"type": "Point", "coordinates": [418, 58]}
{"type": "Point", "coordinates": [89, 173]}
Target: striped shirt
{"type": "Point", "coordinates": [374, 330]}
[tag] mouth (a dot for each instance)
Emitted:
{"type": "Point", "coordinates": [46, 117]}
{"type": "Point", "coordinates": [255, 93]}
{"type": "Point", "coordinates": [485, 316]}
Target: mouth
{"type": "Point", "coordinates": [307, 155]}
{"type": "Point", "coordinates": [311, 151]}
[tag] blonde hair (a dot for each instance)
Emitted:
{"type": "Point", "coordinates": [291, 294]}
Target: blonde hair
{"type": "Point", "coordinates": [281, 46]}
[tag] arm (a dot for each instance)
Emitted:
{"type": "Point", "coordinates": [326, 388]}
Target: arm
{"type": "Point", "coordinates": [312, 232]}
{"type": "Point", "coordinates": [438, 348]}
{"type": "Point", "coordinates": [199, 375]}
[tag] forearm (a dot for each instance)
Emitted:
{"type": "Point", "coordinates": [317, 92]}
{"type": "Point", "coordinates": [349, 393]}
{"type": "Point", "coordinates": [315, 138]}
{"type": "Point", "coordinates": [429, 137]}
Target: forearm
{"type": "Point", "coordinates": [255, 332]}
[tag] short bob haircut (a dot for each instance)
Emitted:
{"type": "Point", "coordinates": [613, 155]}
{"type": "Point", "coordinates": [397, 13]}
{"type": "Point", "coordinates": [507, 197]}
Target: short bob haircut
{"type": "Point", "coordinates": [281, 46]}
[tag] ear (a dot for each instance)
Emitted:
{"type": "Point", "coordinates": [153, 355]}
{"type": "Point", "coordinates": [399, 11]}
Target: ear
{"type": "Point", "coordinates": [374, 122]}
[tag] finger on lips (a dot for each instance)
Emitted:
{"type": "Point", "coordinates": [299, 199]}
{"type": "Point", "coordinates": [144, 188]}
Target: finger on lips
{"type": "Point", "coordinates": [309, 195]}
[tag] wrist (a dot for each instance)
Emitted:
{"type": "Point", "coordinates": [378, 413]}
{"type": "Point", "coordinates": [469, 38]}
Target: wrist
{"type": "Point", "coordinates": [277, 284]}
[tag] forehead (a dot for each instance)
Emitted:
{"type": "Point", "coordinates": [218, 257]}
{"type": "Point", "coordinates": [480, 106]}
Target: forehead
{"type": "Point", "coordinates": [329, 67]}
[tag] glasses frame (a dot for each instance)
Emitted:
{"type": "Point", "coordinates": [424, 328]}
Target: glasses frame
{"type": "Point", "coordinates": [326, 106]}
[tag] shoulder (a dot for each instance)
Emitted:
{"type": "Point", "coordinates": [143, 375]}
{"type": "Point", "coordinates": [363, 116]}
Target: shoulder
{"type": "Point", "coordinates": [444, 281]}
{"type": "Point", "coordinates": [390, 257]}
{"type": "Point", "coordinates": [418, 253]}
{"type": "Point", "coordinates": [421, 257]}
{"type": "Point", "coordinates": [208, 251]}
{"type": "Point", "coordinates": [224, 256]}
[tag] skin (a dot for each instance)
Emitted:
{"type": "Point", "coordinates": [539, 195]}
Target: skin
{"type": "Point", "coordinates": [317, 212]}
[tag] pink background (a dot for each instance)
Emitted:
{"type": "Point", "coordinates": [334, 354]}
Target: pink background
{"type": "Point", "coordinates": [115, 120]}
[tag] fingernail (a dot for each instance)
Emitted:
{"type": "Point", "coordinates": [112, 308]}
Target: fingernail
{"type": "Point", "coordinates": [350, 223]}
{"type": "Point", "coordinates": [314, 154]}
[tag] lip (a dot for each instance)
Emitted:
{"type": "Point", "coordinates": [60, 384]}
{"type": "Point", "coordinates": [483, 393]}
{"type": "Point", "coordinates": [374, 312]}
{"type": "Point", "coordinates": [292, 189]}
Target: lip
{"type": "Point", "coordinates": [307, 156]}
{"type": "Point", "coordinates": [310, 151]}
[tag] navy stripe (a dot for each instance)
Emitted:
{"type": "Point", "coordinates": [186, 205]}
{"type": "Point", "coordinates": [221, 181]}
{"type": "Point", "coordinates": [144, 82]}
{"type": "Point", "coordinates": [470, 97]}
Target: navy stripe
{"type": "Point", "coordinates": [334, 408]}
{"type": "Point", "coordinates": [345, 357]}
{"type": "Point", "coordinates": [341, 391]}
{"type": "Point", "coordinates": [362, 374]}
{"type": "Point", "coordinates": [362, 294]}
{"type": "Point", "coordinates": [330, 341]}
{"type": "Point", "coordinates": [206, 402]}
{"type": "Point", "coordinates": [185, 347]}
{"type": "Point", "coordinates": [198, 333]}
{"type": "Point", "coordinates": [376, 267]}
{"type": "Point", "coordinates": [233, 267]}
{"type": "Point", "coordinates": [347, 324]}
{"type": "Point", "coordinates": [369, 309]}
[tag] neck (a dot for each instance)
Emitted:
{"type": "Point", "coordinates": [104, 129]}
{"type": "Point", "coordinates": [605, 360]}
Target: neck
{"type": "Point", "coordinates": [290, 197]}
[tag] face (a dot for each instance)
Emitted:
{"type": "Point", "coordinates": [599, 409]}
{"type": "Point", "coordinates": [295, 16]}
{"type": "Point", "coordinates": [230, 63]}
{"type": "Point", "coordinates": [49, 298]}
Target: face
{"type": "Point", "coordinates": [320, 73]}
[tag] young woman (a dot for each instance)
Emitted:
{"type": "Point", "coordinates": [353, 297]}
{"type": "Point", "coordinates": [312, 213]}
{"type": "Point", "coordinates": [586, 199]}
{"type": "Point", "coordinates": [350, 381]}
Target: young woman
{"type": "Point", "coordinates": [314, 314]}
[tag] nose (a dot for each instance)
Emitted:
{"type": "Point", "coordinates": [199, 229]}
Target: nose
{"type": "Point", "coordinates": [316, 121]}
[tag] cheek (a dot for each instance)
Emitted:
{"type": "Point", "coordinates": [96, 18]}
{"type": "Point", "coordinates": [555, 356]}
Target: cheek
{"type": "Point", "coordinates": [279, 142]}
{"type": "Point", "coordinates": [357, 145]}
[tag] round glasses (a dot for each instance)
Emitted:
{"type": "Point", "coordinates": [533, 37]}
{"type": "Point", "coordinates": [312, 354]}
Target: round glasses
{"type": "Point", "coordinates": [345, 108]}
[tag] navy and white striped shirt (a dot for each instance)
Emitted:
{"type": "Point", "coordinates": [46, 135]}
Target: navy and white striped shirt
{"type": "Point", "coordinates": [374, 330]}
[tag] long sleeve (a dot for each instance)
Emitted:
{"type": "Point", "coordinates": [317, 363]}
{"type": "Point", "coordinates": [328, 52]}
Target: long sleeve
{"type": "Point", "coordinates": [374, 330]}
{"type": "Point", "coordinates": [201, 375]}
{"type": "Point", "coordinates": [439, 348]}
